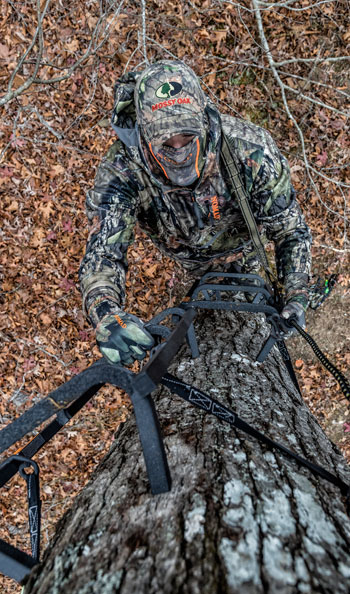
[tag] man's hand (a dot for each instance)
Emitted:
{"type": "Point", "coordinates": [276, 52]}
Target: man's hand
{"type": "Point", "coordinates": [293, 310]}
{"type": "Point", "coordinates": [122, 338]}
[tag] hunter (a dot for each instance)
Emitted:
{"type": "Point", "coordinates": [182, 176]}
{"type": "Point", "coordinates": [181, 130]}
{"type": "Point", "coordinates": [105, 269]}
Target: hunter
{"type": "Point", "coordinates": [166, 171]}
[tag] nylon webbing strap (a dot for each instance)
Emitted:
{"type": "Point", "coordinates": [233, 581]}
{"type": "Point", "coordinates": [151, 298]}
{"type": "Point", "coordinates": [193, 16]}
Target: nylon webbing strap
{"type": "Point", "coordinates": [210, 405]}
{"type": "Point", "coordinates": [288, 363]}
{"type": "Point", "coordinates": [8, 470]}
{"type": "Point", "coordinates": [13, 562]}
{"type": "Point", "coordinates": [146, 417]}
{"type": "Point", "coordinates": [34, 505]}
{"type": "Point", "coordinates": [60, 398]}
{"type": "Point", "coordinates": [241, 194]}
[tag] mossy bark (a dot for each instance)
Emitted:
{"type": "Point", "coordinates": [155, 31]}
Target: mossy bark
{"type": "Point", "coordinates": [238, 519]}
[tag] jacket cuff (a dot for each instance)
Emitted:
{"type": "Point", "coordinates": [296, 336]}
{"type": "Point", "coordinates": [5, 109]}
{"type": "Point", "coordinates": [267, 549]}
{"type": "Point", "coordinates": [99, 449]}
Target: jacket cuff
{"type": "Point", "coordinates": [100, 307]}
{"type": "Point", "coordinates": [296, 289]}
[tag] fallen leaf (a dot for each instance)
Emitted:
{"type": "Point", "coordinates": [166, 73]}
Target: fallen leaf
{"type": "Point", "coordinates": [46, 319]}
{"type": "Point", "coordinates": [67, 226]}
{"type": "Point", "coordinates": [4, 51]}
{"type": "Point", "coordinates": [322, 158]}
{"type": "Point", "coordinates": [47, 209]}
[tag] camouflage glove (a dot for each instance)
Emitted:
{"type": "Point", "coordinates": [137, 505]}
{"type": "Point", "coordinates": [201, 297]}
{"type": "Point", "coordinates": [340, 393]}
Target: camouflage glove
{"type": "Point", "coordinates": [122, 338]}
{"type": "Point", "coordinates": [297, 300]}
{"type": "Point", "coordinates": [293, 310]}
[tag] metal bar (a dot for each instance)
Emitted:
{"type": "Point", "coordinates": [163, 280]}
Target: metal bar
{"type": "Point", "coordinates": [98, 373]}
{"type": "Point", "coordinates": [14, 563]}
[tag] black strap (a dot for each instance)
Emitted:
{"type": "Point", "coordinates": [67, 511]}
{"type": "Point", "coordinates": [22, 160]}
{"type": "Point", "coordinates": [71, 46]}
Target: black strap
{"type": "Point", "coordinates": [90, 379]}
{"type": "Point", "coordinates": [34, 505]}
{"type": "Point", "coordinates": [15, 563]}
{"type": "Point", "coordinates": [210, 405]}
{"type": "Point", "coordinates": [241, 194]}
{"type": "Point", "coordinates": [9, 469]}
{"type": "Point", "coordinates": [288, 363]}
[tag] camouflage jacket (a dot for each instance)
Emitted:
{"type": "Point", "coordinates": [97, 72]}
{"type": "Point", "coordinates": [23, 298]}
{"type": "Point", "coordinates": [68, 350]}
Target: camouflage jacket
{"type": "Point", "coordinates": [194, 226]}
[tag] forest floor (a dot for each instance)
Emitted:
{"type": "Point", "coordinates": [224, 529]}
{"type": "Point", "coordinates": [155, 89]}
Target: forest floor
{"type": "Point", "coordinates": [52, 137]}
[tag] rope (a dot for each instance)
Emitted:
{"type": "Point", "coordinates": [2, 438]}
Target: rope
{"type": "Point", "coordinates": [339, 376]}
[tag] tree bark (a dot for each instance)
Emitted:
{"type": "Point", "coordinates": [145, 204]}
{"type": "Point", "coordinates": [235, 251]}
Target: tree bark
{"type": "Point", "coordinates": [239, 518]}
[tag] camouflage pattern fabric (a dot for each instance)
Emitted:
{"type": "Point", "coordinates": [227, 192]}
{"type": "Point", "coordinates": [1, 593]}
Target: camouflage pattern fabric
{"type": "Point", "coordinates": [122, 338]}
{"type": "Point", "coordinates": [181, 110]}
{"type": "Point", "coordinates": [197, 225]}
{"type": "Point", "coordinates": [167, 98]}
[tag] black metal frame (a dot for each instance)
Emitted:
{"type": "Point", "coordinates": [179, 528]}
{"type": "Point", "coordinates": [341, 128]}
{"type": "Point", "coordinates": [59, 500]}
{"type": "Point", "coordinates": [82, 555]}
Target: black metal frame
{"type": "Point", "coordinates": [250, 284]}
{"type": "Point", "coordinates": [66, 400]}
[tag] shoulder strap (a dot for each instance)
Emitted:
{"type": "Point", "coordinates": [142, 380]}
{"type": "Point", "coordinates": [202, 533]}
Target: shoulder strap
{"type": "Point", "coordinates": [241, 194]}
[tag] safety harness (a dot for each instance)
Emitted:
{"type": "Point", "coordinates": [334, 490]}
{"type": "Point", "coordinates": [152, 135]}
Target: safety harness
{"type": "Point", "coordinates": [69, 398]}
{"type": "Point", "coordinates": [240, 192]}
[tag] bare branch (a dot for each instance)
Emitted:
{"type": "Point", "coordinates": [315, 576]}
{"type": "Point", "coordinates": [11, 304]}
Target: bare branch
{"type": "Point", "coordinates": [143, 5]}
{"type": "Point", "coordinates": [38, 33]}
{"type": "Point", "coordinates": [311, 60]}
{"type": "Point", "coordinates": [283, 87]}
{"type": "Point", "coordinates": [90, 51]}
{"type": "Point", "coordinates": [315, 101]}
{"type": "Point", "coordinates": [289, 4]}
{"type": "Point", "coordinates": [42, 120]}
{"type": "Point", "coordinates": [330, 179]}
{"type": "Point", "coordinates": [315, 82]}
{"type": "Point", "coordinates": [264, 6]}
{"type": "Point", "coordinates": [331, 248]}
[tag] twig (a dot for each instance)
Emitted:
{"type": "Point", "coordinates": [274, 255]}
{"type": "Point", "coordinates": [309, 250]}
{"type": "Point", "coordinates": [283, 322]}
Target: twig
{"type": "Point", "coordinates": [320, 103]}
{"type": "Point", "coordinates": [288, 4]}
{"type": "Point", "coordinates": [90, 51]}
{"type": "Point", "coordinates": [331, 248]}
{"type": "Point", "coordinates": [315, 82]}
{"type": "Point", "coordinates": [282, 86]}
{"type": "Point", "coordinates": [143, 5]}
{"type": "Point", "coordinates": [308, 60]}
{"type": "Point", "coordinates": [52, 304]}
{"type": "Point", "coordinates": [38, 33]}
{"type": "Point", "coordinates": [330, 179]}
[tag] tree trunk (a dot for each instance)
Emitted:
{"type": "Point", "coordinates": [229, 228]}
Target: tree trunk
{"type": "Point", "coordinates": [239, 518]}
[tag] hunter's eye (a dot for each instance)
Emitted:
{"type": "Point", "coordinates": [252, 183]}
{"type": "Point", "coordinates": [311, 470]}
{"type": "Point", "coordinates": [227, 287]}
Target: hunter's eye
{"type": "Point", "coordinates": [179, 140]}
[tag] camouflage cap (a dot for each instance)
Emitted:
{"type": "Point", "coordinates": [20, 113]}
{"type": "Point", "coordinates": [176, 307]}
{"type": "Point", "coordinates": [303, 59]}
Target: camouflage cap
{"type": "Point", "coordinates": [169, 101]}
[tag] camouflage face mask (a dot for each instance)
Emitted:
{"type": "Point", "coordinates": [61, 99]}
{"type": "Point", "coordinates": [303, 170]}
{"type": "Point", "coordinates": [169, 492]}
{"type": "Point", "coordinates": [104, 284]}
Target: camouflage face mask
{"type": "Point", "coordinates": [169, 101]}
{"type": "Point", "coordinates": [182, 166]}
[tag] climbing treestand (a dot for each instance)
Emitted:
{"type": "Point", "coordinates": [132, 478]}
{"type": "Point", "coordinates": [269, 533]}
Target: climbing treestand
{"type": "Point", "coordinates": [215, 291]}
